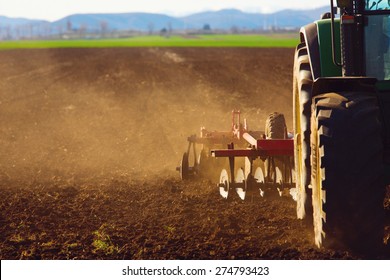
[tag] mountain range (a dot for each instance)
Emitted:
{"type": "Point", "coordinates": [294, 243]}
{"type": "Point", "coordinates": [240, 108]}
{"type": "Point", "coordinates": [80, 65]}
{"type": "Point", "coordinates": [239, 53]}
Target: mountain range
{"type": "Point", "coordinates": [149, 22]}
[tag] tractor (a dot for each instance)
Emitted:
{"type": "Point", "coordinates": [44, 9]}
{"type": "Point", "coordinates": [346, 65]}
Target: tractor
{"type": "Point", "coordinates": [336, 162]}
{"type": "Point", "coordinates": [341, 92]}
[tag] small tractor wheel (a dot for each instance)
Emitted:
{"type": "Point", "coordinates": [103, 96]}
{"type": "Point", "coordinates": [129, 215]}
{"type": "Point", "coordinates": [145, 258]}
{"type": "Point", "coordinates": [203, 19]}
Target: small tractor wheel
{"type": "Point", "coordinates": [347, 172]}
{"type": "Point", "coordinates": [184, 167]}
{"type": "Point", "coordinates": [275, 128]}
{"type": "Point", "coordinates": [302, 92]}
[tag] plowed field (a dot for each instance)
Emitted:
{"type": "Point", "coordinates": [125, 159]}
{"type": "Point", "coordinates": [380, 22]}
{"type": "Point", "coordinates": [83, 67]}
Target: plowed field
{"type": "Point", "coordinates": [89, 142]}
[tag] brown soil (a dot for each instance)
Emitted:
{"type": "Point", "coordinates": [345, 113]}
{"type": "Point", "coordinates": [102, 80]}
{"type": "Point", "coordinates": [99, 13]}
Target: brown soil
{"type": "Point", "coordinates": [90, 138]}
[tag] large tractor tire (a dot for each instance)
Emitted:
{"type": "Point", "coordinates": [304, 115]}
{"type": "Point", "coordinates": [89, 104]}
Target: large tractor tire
{"type": "Point", "coordinates": [302, 91]}
{"type": "Point", "coordinates": [347, 172]}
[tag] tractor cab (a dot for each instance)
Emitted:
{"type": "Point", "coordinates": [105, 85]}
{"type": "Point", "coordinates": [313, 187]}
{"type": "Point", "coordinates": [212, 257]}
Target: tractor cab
{"type": "Point", "coordinates": [365, 38]}
{"type": "Point", "coordinates": [377, 39]}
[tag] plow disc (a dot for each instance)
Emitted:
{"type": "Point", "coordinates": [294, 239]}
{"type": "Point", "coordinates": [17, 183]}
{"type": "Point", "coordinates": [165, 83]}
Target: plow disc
{"type": "Point", "coordinates": [224, 184]}
{"type": "Point", "coordinates": [184, 168]}
{"type": "Point", "coordinates": [241, 183]}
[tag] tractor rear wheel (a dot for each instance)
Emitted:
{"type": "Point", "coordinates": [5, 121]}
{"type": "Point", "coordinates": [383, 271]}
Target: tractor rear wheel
{"type": "Point", "coordinates": [347, 172]}
{"type": "Point", "coordinates": [302, 91]}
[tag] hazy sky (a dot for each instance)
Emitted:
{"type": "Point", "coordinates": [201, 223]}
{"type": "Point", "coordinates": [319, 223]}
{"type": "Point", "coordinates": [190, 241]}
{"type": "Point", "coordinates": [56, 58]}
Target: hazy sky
{"type": "Point", "coordinates": [56, 9]}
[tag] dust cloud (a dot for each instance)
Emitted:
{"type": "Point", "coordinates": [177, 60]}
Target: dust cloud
{"type": "Point", "coordinates": [107, 113]}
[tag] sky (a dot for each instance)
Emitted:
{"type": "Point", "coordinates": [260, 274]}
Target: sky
{"type": "Point", "coordinates": [55, 9]}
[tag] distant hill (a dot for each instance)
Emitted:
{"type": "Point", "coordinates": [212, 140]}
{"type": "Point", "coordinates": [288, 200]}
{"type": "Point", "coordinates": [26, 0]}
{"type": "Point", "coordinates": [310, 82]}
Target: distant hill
{"type": "Point", "coordinates": [118, 22]}
{"type": "Point", "coordinates": [226, 19]}
{"type": "Point", "coordinates": [148, 22]}
{"type": "Point", "coordinates": [13, 22]}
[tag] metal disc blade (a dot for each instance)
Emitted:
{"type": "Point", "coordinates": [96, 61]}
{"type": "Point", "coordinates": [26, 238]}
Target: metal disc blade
{"type": "Point", "coordinates": [241, 193]}
{"type": "Point", "coordinates": [294, 193]}
{"type": "Point", "coordinates": [259, 178]}
{"type": "Point", "coordinates": [240, 183]}
{"type": "Point", "coordinates": [259, 175]}
{"type": "Point", "coordinates": [184, 167]}
{"type": "Point", "coordinates": [240, 177]}
{"type": "Point", "coordinates": [279, 180]}
{"type": "Point", "coordinates": [224, 184]}
{"type": "Point", "coordinates": [279, 176]}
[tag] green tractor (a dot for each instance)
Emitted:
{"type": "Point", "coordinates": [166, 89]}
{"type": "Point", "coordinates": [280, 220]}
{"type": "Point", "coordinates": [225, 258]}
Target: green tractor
{"type": "Point", "coordinates": [342, 124]}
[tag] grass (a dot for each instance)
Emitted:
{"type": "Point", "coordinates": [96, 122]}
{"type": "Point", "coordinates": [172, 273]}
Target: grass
{"type": "Point", "coordinates": [284, 41]}
{"type": "Point", "coordinates": [102, 242]}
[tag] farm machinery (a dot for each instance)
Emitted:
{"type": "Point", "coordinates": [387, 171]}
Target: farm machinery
{"type": "Point", "coordinates": [341, 139]}
{"type": "Point", "coordinates": [266, 164]}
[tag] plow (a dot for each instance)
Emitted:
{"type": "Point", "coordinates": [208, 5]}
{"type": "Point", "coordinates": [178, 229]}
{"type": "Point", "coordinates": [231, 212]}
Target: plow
{"type": "Point", "coordinates": [336, 162]}
{"type": "Point", "coordinates": [250, 163]}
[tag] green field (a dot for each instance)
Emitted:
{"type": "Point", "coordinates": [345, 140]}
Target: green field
{"type": "Point", "coordinates": [275, 40]}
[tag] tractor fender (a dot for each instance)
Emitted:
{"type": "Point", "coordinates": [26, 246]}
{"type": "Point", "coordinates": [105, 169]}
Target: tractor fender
{"type": "Point", "coordinates": [309, 36]}
{"type": "Point", "coordinates": [317, 37]}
